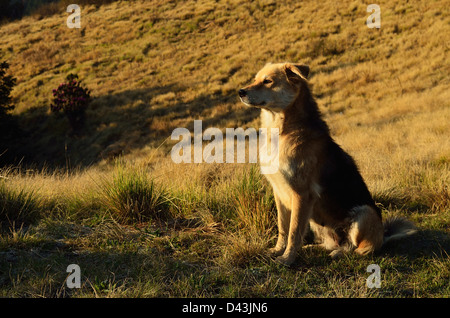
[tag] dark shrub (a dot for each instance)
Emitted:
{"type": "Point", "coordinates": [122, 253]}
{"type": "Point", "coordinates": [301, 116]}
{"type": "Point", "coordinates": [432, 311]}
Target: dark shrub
{"type": "Point", "coordinates": [9, 131]}
{"type": "Point", "coordinates": [7, 83]}
{"type": "Point", "coordinates": [73, 100]}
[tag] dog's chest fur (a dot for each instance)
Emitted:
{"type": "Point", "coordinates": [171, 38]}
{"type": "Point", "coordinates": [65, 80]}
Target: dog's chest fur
{"type": "Point", "coordinates": [282, 180]}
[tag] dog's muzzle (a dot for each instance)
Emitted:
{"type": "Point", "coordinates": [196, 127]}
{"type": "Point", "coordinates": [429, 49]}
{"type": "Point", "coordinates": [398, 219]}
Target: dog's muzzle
{"type": "Point", "coordinates": [244, 98]}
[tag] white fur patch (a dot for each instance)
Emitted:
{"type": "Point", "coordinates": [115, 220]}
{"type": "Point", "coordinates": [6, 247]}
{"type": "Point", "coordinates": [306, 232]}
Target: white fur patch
{"type": "Point", "coordinates": [317, 189]}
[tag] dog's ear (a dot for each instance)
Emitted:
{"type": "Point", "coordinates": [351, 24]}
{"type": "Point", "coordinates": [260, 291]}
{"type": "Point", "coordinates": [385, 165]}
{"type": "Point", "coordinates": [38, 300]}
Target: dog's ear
{"type": "Point", "coordinates": [294, 71]}
{"type": "Point", "coordinates": [303, 69]}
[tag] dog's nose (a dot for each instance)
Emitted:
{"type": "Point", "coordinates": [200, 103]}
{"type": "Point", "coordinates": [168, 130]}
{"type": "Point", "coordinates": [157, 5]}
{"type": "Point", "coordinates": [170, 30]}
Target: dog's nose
{"type": "Point", "coordinates": [242, 92]}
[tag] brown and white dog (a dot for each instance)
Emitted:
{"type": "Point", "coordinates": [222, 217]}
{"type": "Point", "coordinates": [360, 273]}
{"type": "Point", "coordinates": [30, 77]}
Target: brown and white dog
{"type": "Point", "coordinates": [317, 183]}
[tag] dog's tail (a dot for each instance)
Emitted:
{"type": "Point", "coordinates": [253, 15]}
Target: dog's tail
{"type": "Point", "coordinates": [396, 227]}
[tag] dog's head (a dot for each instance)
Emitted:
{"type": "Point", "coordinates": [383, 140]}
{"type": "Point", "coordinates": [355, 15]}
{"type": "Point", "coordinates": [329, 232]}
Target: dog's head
{"type": "Point", "coordinates": [276, 86]}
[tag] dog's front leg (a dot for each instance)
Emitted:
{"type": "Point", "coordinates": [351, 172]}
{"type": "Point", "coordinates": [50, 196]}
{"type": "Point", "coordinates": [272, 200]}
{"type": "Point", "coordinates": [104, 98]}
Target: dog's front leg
{"type": "Point", "coordinates": [301, 210]}
{"type": "Point", "coordinates": [284, 216]}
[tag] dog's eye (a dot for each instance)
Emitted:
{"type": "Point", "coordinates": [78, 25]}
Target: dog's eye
{"type": "Point", "coordinates": [267, 81]}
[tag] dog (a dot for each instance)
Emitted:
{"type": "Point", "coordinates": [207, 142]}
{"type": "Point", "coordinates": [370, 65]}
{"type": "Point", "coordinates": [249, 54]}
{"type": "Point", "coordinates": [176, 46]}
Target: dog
{"type": "Point", "coordinates": [317, 182]}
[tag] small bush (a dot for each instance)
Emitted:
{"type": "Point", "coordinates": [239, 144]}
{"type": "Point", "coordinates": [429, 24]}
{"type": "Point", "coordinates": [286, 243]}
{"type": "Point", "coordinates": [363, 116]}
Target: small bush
{"type": "Point", "coordinates": [323, 47]}
{"type": "Point", "coordinates": [132, 197]}
{"type": "Point", "coordinates": [18, 207]}
{"type": "Point", "coordinates": [9, 129]}
{"type": "Point", "coordinates": [7, 83]}
{"type": "Point", "coordinates": [73, 100]}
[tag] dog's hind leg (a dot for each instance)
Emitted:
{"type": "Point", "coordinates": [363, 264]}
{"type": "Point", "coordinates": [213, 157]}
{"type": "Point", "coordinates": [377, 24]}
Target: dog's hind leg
{"type": "Point", "coordinates": [366, 231]}
{"type": "Point", "coordinates": [328, 239]}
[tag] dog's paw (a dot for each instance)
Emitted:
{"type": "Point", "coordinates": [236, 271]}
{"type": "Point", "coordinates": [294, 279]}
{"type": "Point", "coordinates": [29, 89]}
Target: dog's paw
{"type": "Point", "coordinates": [337, 253]}
{"type": "Point", "coordinates": [274, 252]}
{"type": "Point", "coordinates": [285, 259]}
{"type": "Point", "coordinates": [310, 246]}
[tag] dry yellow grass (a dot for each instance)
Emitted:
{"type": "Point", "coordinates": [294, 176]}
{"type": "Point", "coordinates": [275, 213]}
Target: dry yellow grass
{"type": "Point", "coordinates": [153, 66]}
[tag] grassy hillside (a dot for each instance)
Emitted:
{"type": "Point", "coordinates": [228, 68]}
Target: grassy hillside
{"type": "Point", "coordinates": [153, 66]}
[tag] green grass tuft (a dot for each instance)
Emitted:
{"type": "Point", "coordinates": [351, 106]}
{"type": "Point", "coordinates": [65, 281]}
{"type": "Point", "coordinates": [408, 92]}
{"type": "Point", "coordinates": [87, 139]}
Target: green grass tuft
{"type": "Point", "coordinates": [254, 203]}
{"type": "Point", "coordinates": [133, 197]}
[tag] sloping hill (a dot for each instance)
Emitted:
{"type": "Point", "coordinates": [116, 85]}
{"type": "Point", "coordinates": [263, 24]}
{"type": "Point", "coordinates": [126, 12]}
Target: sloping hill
{"type": "Point", "coordinates": [153, 66]}
{"type": "Point", "coordinates": [156, 65]}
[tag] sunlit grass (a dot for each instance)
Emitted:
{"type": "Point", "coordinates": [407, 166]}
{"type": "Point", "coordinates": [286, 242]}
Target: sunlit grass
{"type": "Point", "coordinates": [148, 227]}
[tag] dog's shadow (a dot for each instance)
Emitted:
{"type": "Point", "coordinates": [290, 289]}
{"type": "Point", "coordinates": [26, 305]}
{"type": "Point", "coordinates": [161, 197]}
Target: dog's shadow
{"type": "Point", "coordinates": [425, 244]}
